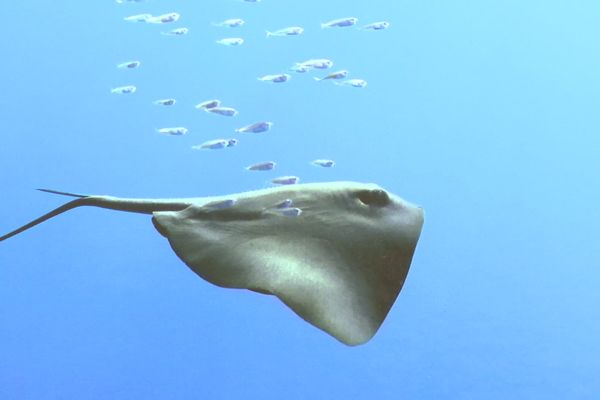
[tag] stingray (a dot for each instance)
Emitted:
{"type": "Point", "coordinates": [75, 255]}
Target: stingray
{"type": "Point", "coordinates": [338, 261]}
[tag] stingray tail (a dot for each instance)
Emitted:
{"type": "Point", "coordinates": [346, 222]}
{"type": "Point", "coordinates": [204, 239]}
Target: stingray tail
{"type": "Point", "coordinates": [63, 193]}
{"type": "Point", "coordinates": [65, 207]}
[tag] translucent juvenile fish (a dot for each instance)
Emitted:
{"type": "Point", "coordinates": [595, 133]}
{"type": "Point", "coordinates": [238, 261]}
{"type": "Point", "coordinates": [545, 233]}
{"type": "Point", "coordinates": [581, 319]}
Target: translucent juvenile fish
{"type": "Point", "coordinates": [216, 144]}
{"type": "Point", "coordinates": [300, 68]}
{"type": "Point", "coordinates": [208, 104]}
{"type": "Point", "coordinates": [177, 32]}
{"type": "Point", "coordinates": [277, 78]}
{"type": "Point", "coordinates": [124, 89]}
{"type": "Point", "coordinates": [262, 166]}
{"type": "Point", "coordinates": [286, 180]}
{"type": "Point", "coordinates": [220, 204]}
{"type": "Point", "coordinates": [257, 127]}
{"type": "Point", "coordinates": [318, 63]}
{"type": "Point", "coordinates": [359, 83]}
{"type": "Point", "coordinates": [230, 23]}
{"type": "Point", "coordinates": [231, 41]}
{"type": "Point", "coordinates": [225, 111]}
{"type": "Point", "coordinates": [340, 23]}
{"type": "Point", "coordinates": [251, 1]}
{"type": "Point", "coordinates": [128, 1]}
{"type": "Point", "coordinates": [129, 65]}
{"type": "Point", "coordinates": [334, 75]}
{"type": "Point", "coordinates": [164, 102]}
{"type": "Point", "coordinates": [164, 18]}
{"type": "Point", "coordinates": [287, 203]}
{"type": "Point", "coordinates": [290, 31]}
{"type": "Point", "coordinates": [285, 212]}
{"type": "Point", "coordinates": [376, 26]}
{"type": "Point", "coordinates": [323, 163]}
{"type": "Point", "coordinates": [138, 17]}
{"type": "Point", "coordinates": [177, 131]}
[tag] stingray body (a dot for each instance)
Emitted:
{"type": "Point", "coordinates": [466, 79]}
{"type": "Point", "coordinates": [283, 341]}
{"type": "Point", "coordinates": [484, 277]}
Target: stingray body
{"type": "Point", "coordinates": [339, 265]}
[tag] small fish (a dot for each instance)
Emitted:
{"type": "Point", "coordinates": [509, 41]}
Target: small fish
{"type": "Point", "coordinates": [225, 111]}
{"type": "Point", "coordinates": [164, 19]}
{"type": "Point", "coordinates": [177, 32]}
{"type": "Point", "coordinates": [359, 83]}
{"type": "Point", "coordinates": [318, 63]}
{"type": "Point", "coordinates": [286, 180]}
{"type": "Point", "coordinates": [129, 65]}
{"type": "Point", "coordinates": [138, 18]}
{"type": "Point", "coordinates": [334, 75]}
{"type": "Point", "coordinates": [290, 31]}
{"type": "Point", "coordinates": [232, 142]}
{"type": "Point", "coordinates": [251, 1]}
{"type": "Point", "coordinates": [128, 1]}
{"type": "Point", "coordinates": [262, 166]}
{"type": "Point", "coordinates": [323, 163]}
{"type": "Point", "coordinates": [124, 89]}
{"type": "Point", "coordinates": [287, 203]}
{"type": "Point", "coordinates": [340, 23]}
{"type": "Point", "coordinates": [285, 212]}
{"type": "Point", "coordinates": [208, 104]}
{"type": "Point", "coordinates": [278, 78]}
{"type": "Point", "coordinates": [164, 102]}
{"type": "Point", "coordinates": [257, 127]}
{"type": "Point", "coordinates": [300, 68]}
{"type": "Point", "coordinates": [376, 26]}
{"type": "Point", "coordinates": [231, 41]}
{"type": "Point", "coordinates": [220, 204]}
{"type": "Point", "coordinates": [177, 131]}
{"type": "Point", "coordinates": [230, 23]}
{"type": "Point", "coordinates": [213, 144]}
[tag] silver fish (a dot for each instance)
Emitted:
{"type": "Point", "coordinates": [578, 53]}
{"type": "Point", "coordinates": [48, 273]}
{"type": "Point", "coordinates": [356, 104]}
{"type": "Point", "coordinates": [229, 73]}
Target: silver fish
{"type": "Point", "coordinates": [231, 41]}
{"type": "Point", "coordinates": [220, 204]}
{"type": "Point", "coordinates": [286, 180]}
{"type": "Point", "coordinates": [129, 65]}
{"type": "Point", "coordinates": [257, 127]}
{"type": "Point", "coordinates": [124, 89]}
{"type": "Point", "coordinates": [177, 131]}
{"type": "Point", "coordinates": [225, 111]}
{"type": "Point", "coordinates": [230, 23]}
{"type": "Point", "coordinates": [208, 104]}
{"type": "Point", "coordinates": [376, 26]}
{"type": "Point", "coordinates": [290, 31]}
{"type": "Point", "coordinates": [177, 32]}
{"type": "Point", "coordinates": [262, 166]}
{"type": "Point", "coordinates": [323, 163]}
{"type": "Point", "coordinates": [212, 145]}
{"type": "Point", "coordinates": [334, 75]}
{"type": "Point", "coordinates": [359, 83]}
{"type": "Point", "coordinates": [138, 18]}
{"type": "Point", "coordinates": [318, 63]}
{"type": "Point", "coordinates": [278, 78]}
{"type": "Point", "coordinates": [164, 102]}
{"type": "Point", "coordinates": [164, 18]}
{"type": "Point", "coordinates": [340, 23]}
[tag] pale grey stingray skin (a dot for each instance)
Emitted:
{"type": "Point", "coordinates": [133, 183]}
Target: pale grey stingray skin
{"type": "Point", "coordinates": [339, 265]}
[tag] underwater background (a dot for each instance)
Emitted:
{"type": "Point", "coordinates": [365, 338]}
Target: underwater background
{"type": "Point", "coordinates": [483, 112]}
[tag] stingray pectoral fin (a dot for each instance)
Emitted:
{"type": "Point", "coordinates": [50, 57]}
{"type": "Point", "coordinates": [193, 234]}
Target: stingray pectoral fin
{"type": "Point", "coordinates": [338, 292]}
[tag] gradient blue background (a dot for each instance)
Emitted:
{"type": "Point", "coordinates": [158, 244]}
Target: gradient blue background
{"type": "Point", "coordinates": [484, 112]}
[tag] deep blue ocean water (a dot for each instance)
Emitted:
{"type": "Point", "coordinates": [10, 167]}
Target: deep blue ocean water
{"type": "Point", "coordinates": [483, 112]}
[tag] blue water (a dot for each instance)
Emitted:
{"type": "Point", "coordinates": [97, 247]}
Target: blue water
{"type": "Point", "coordinates": [483, 112]}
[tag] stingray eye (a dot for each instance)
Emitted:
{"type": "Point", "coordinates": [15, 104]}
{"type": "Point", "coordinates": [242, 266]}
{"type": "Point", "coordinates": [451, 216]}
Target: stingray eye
{"type": "Point", "coordinates": [377, 197]}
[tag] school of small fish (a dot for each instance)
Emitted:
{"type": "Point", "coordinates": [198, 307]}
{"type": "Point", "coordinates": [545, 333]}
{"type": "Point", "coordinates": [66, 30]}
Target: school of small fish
{"type": "Point", "coordinates": [285, 207]}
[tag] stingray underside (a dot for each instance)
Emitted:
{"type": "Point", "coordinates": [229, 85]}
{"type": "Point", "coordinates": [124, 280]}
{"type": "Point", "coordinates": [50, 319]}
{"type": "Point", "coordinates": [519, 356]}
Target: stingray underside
{"type": "Point", "coordinates": [341, 282]}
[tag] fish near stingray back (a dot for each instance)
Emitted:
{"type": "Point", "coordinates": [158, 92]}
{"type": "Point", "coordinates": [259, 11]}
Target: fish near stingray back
{"type": "Point", "coordinates": [340, 265]}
